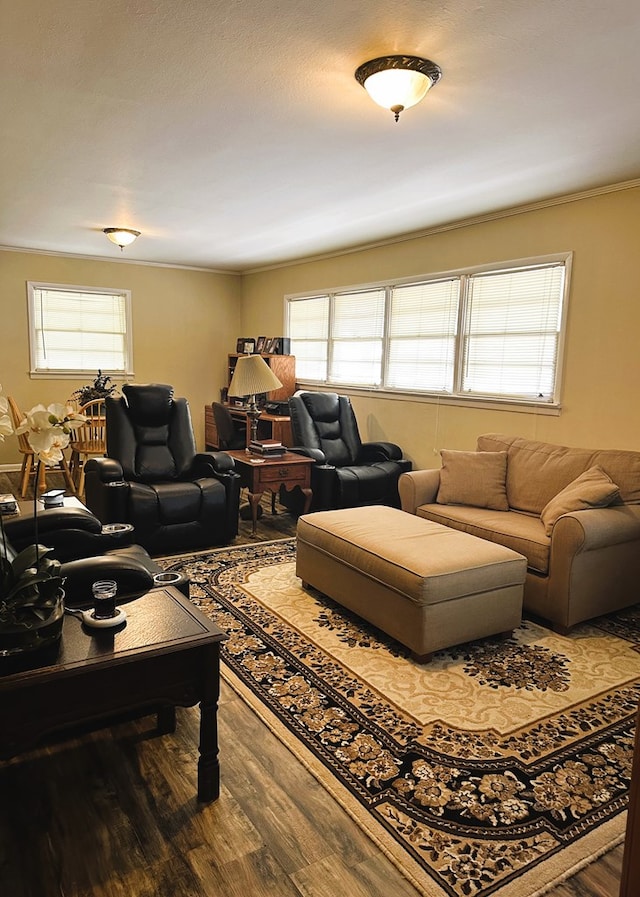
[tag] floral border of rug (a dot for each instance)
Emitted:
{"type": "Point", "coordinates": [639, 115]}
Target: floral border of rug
{"type": "Point", "coordinates": [461, 813]}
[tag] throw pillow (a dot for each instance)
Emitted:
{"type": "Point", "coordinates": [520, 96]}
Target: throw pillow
{"type": "Point", "coordinates": [592, 489]}
{"type": "Point", "coordinates": [474, 478]}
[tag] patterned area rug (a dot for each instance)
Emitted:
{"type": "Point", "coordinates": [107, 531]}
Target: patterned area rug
{"type": "Point", "coordinates": [499, 769]}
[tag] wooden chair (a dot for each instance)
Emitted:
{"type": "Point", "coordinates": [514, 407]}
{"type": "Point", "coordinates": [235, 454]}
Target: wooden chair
{"type": "Point", "coordinates": [88, 440]}
{"type": "Point", "coordinates": [29, 465]}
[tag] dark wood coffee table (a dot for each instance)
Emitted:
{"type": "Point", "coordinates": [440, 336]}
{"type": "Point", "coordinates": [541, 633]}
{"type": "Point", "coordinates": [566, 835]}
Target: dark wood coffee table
{"type": "Point", "coordinates": [167, 654]}
{"type": "Point", "coordinates": [260, 474]}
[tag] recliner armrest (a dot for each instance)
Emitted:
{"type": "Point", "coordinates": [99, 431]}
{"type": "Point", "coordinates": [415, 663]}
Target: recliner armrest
{"type": "Point", "coordinates": [380, 451]}
{"type": "Point", "coordinates": [51, 520]}
{"type": "Point", "coordinates": [133, 578]}
{"type": "Point", "coordinates": [206, 464]}
{"type": "Point", "coordinates": [108, 469]}
{"type": "Point", "coordinates": [317, 454]}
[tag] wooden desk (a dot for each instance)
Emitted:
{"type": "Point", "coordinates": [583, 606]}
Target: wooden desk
{"type": "Point", "coordinates": [270, 426]}
{"type": "Point", "coordinates": [268, 474]}
{"type": "Point", "coordinates": [166, 655]}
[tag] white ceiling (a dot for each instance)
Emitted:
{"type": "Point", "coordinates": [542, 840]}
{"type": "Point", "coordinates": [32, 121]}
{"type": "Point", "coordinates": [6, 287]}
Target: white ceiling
{"type": "Point", "coordinates": [233, 134]}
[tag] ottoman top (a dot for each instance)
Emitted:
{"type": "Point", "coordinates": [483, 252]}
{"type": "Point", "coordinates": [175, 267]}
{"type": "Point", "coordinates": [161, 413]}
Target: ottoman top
{"type": "Point", "coordinates": [425, 561]}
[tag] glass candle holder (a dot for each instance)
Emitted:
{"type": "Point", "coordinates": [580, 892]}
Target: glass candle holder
{"type": "Point", "coordinates": [104, 597]}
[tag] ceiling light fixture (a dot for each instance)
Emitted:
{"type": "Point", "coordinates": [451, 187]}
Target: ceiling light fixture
{"type": "Point", "coordinates": [398, 82]}
{"type": "Point", "coordinates": [121, 236]}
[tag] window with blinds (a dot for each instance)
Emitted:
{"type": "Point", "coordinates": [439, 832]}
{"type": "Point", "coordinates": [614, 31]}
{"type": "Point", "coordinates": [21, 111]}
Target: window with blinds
{"type": "Point", "coordinates": [480, 333]}
{"type": "Point", "coordinates": [512, 332]}
{"type": "Point", "coordinates": [78, 330]}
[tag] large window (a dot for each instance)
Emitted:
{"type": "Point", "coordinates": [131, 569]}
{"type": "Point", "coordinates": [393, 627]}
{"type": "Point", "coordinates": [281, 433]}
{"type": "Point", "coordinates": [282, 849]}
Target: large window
{"type": "Point", "coordinates": [79, 330]}
{"type": "Point", "coordinates": [490, 333]}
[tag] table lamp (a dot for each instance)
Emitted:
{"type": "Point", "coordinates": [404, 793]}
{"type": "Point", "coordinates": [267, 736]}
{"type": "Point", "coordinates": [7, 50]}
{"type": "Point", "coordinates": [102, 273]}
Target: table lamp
{"type": "Point", "coordinates": [251, 376]}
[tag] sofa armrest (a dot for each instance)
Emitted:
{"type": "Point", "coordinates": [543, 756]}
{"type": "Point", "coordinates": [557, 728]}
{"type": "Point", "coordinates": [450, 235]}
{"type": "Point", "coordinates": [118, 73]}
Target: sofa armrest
{"type": "Point", "coordinates": [596, 528]}
{"type": "Point", "coordinates": [418, 487]}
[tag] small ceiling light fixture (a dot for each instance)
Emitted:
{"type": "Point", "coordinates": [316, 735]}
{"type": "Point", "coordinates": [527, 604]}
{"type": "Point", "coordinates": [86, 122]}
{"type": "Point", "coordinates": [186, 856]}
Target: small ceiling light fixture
{"type": "Point", "coordinates": [398, 82]}
{"type": "Point", "coordinates": [121, 236]}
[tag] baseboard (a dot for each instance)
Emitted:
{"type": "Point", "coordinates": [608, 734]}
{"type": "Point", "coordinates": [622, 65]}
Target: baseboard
{"type": "Point", "coordinates": [9, 468]}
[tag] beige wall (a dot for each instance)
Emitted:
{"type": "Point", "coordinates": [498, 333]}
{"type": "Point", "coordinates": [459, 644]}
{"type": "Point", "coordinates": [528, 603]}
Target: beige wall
{"type": "Point", "coordinates": [602, 357]}
{"type": "Point", "coordinates": [184, 324]}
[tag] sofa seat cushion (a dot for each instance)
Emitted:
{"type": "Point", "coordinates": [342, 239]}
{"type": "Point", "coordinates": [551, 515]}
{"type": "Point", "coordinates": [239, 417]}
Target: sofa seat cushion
{"type": "Point", "coordinates": [523, 533]}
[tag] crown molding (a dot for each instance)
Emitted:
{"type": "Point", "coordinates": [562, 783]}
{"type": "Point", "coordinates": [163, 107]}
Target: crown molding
{"type": "Point", "coordinates": [454, 225]}
{"type": "Point", "coordinates": [119, 261]}
{"type": "Point", "coordinates": [510, 212]}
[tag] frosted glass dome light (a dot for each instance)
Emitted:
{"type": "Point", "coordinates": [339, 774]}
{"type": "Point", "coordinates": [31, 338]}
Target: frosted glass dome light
{"type": "Point", "coordinates": [398, 82]}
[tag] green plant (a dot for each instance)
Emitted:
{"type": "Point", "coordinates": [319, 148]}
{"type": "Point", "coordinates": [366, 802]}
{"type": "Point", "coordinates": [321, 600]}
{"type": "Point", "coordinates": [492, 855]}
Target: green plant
{"type": "Point", "coordinates": [30, 585]}
{"type": "Point", "coordinates": [99, 389]}
{"type": "Point", "coordinates": [30, 582]}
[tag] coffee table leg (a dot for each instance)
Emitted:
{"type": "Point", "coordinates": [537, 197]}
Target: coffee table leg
{"type": "Point", "coordinates": [166, 719]}
{"type": "Point", "coordinates": [208, 763]}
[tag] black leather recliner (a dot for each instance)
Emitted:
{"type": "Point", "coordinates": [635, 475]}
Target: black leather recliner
{"type": "Point", "coordinates": [176, 498]}
{"type": "Point", "coordinates": [347, 472]}
{"type": "Point", "coordinates": [86, 553]}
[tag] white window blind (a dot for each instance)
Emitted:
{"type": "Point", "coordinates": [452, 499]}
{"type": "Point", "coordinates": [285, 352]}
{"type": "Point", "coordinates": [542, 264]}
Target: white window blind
{"type": "Point", "coordinates": [308, 325]}
{"type": "Point", "coordinates": [79, 330]}
{"type": "Point", "coordinates": [357, 333]}
{"type": "Point", "coordinates": [478, 333]}
{"type": "Point", "coordinates": [422, 335]}
{"type": "Point", "coordinates": [512, 331]}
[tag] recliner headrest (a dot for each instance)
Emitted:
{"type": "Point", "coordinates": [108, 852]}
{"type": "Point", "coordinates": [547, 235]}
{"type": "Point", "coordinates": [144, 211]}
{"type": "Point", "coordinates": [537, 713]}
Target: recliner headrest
{"type": "Point", "coordinates": [322, 406]}
{"type": "Point", "coordinates": [149, 404]}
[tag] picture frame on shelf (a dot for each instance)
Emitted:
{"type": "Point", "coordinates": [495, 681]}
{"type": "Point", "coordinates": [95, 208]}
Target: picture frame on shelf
{"type": "Point", "coordinates": [260, 343]}
{"type": "Point", "coordinates": [240, 345]}
{"type": "Point", "coordinates": [249, 346]}
{"type": "Point", "coordinates": [269, 345]}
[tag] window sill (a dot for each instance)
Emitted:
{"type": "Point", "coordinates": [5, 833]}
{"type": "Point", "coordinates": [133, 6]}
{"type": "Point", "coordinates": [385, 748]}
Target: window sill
{"type": "Point", "coordinates": [489, 403]}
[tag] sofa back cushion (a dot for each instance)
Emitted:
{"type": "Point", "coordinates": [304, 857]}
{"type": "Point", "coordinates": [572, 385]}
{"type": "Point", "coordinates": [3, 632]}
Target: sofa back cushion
{"type": "Point", "coordinates": [538, 471]}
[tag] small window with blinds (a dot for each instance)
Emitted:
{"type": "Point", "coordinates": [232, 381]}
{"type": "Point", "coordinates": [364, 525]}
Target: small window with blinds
{"type": "Point", "coordinates": [485, 333]}
{"type": "Point", "coordinates": [78, 330]}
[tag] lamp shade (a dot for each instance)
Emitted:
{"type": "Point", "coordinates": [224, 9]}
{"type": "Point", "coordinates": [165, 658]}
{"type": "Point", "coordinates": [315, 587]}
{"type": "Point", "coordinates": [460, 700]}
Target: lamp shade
{"type": "Point", "coordinates": [398, 82]}
{"type": "Point", "coordinates": [252, 375]}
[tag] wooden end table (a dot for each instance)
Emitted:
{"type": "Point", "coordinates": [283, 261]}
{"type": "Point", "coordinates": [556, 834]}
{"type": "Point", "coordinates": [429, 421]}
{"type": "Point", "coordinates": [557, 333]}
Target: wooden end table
{"type": "Point", "coordinates": [167, 654]}
{"type": "Point", "coordinates": [261, 474]}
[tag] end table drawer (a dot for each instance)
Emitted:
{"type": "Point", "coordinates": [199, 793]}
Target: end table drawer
{"type": "Point", "coordinates": [292, 473]}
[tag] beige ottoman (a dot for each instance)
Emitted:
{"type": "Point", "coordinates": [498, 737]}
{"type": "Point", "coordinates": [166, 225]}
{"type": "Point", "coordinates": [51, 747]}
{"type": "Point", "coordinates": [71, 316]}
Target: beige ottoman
{"type": "Point", "coordinates": [428, 586]}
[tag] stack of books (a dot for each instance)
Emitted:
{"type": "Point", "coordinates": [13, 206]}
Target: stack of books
{"type": "Point", "coordinates": [268, 448]}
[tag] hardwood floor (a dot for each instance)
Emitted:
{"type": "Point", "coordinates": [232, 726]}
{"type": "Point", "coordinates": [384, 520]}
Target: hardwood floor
{"type": "Point", "coordinates": [114, 813]}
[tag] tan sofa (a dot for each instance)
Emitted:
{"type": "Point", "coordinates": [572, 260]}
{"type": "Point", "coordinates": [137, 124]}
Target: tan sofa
{"type": "Point", "coordinates": [573, 513]}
